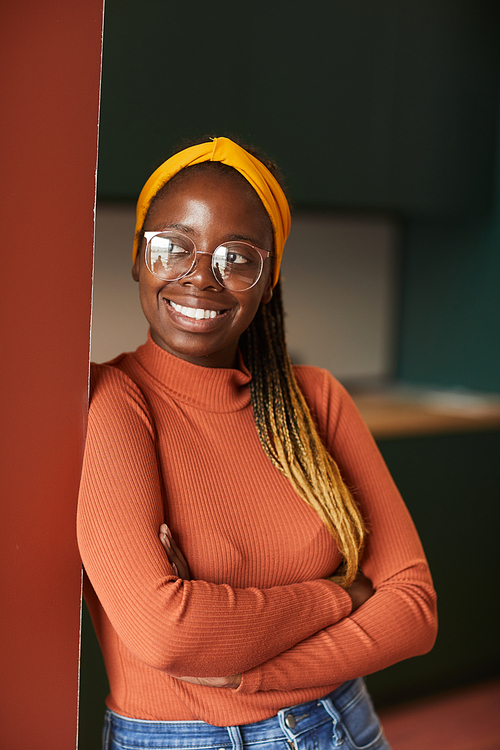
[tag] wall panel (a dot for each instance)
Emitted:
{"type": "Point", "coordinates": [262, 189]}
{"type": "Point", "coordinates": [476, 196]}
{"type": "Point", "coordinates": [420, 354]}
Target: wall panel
{"type": "Point", "coordinates": [50, 74]}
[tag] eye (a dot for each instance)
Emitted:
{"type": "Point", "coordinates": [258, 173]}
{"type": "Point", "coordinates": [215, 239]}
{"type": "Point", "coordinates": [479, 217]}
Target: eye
{"type": "Point", "coordinates": [237, 254]}
{"type": "Point", "coordinates": [168, 247]}
{"type": "Point", "coordinates": [236, 258]}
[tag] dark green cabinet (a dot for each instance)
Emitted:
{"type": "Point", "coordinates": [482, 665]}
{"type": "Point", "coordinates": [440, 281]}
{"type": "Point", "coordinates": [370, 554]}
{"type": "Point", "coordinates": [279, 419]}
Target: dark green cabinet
{"type": "Point", "coordinates": [384, 105]}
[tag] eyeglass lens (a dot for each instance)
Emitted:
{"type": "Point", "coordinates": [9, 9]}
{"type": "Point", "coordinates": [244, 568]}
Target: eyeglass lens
{"type": "Point", "coordinates": [236, 265]}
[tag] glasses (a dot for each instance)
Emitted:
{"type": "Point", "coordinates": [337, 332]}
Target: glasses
{"type": "Point", "coordinates": [236, 265]}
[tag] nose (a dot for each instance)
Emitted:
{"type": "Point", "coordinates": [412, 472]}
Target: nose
{"type": "Point", "coordinates": [202, 276]}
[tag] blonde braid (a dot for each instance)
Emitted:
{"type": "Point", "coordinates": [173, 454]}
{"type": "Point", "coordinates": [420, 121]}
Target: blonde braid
{"type": "Point", "coordinates": [290, 439]}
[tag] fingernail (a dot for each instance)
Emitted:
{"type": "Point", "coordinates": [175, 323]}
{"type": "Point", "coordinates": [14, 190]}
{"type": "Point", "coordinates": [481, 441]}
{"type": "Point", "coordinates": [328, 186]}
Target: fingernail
{"type": "Point", "coordinates": [174, 566]}
{"type": "Point", "coordinates": [165, 539]}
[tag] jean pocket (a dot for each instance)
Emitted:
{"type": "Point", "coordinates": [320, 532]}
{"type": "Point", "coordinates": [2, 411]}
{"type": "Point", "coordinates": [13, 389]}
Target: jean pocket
{"type": "Point", "coordinates": [360, 727]}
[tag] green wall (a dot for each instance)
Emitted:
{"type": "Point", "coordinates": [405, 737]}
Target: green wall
{"type": "Point", "coordinates": [365, 104]}
{"type": "Point", "coordinates": [450, 315]}
{"type": "Point", "coordinates": [451, 484]}
{"type": "Point", "coordinates": [94, 688]}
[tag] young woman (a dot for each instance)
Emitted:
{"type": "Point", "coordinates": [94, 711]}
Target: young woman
{"type": "Point", "coordinates": [238, 589]}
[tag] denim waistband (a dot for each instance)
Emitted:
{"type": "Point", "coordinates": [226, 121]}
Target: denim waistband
{"type": "Point", "coordinates": [291, 722]}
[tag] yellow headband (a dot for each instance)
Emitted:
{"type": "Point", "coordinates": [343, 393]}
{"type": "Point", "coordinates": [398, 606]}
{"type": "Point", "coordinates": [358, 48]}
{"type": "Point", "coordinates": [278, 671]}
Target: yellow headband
{"type": "Point", "coordinates": [227, 152]}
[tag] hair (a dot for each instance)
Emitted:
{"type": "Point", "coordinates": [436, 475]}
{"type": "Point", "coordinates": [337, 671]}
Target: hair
{"type": "Point", "coordinates": [284, 422]}
{"type": "Point", "coordinates": [289, 436]}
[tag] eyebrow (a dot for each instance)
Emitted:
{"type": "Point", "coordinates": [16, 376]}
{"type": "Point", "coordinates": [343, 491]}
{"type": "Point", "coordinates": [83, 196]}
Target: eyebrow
{"type": "Point", "coordinates": [242, 238]}
{"type": "Point", "coordinates": [179, 227]}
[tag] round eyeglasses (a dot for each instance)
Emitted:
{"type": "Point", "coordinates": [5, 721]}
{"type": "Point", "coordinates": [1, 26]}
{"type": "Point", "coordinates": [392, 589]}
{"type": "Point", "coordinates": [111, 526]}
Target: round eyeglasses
{"type": "Point", "coordinates": [236, 265]}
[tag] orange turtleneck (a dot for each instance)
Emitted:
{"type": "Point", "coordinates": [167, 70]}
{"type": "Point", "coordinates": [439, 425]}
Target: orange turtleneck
{"type": "Point", "coordinates": [171, 441]}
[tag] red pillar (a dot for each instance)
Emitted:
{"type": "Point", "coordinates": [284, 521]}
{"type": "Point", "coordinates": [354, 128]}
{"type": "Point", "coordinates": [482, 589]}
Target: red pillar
{"type": "Point", "coordinates": [50, 57]}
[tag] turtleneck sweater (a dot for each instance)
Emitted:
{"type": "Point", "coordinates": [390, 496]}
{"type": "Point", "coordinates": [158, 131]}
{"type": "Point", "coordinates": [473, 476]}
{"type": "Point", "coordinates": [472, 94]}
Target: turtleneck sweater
{"type": "Point", "coordinates": [176, 443]}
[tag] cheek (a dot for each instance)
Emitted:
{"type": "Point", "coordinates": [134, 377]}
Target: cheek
{"type": "Point", "coordinates": [148, 294]}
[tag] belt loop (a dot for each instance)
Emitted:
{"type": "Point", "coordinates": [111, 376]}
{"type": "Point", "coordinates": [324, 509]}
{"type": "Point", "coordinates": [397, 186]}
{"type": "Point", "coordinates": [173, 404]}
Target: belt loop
{"type": "Point", "coordinates": [235, 737]}
{"type": "Point", "coordinates": [336, 719]}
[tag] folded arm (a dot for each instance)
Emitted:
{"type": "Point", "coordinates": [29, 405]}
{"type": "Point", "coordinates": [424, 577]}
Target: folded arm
{"type": "Point", "coordinates": [396, 623]}
{"type": "Point", "coordinates": [359, 592]}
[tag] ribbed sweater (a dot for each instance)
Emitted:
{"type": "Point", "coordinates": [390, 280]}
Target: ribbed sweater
{"type": "Point", "coordinates": [169, 441]}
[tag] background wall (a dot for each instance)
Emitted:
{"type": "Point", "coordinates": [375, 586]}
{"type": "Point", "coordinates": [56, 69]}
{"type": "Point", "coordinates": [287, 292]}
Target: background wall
{"type": "Point", "coordinates": [450, 317]}
{"type": "Point", "coordinates": [339, 277]}
{"type": "Point", "coordinates": [363, 104]}
{"type": "Point", "coordinates": [366, 106]}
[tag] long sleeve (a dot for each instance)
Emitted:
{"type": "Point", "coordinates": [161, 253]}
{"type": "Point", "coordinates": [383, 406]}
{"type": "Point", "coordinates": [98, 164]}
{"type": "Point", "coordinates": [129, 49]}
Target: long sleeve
{"type": "Point", "coordinates": [400, 620]}
{"type": "Point", "coordinates": [183, 627]}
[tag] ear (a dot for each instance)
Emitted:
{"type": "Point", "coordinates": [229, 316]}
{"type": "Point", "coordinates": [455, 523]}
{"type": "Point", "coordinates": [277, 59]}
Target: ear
{"type": "Point", "coordinates": [268, 292]}
{"type": "Point", "coordinates": [135, 268]}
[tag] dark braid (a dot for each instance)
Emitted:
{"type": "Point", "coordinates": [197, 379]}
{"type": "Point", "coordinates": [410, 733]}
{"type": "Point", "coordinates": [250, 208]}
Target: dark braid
{"type": "Point", "coordinates": [289, 436]}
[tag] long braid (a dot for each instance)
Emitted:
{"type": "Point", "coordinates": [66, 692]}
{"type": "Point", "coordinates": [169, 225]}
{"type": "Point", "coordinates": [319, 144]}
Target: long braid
{"type": "Point", "coordinates": [289, 436]}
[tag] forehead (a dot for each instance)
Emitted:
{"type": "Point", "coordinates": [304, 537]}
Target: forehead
{"type": "Point", "coordinates": [208, 196]}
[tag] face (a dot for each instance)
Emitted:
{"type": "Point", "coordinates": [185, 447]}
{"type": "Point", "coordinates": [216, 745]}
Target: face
{"type": "Point", "coordinates": [211, 209]}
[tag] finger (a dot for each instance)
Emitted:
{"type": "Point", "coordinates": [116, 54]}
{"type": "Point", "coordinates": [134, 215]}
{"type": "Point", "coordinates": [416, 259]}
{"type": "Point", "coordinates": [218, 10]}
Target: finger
{"type": "Point", "coordinates": [233, 681]}
{"type": "Point", "coordinates": [173, 556]}
{"type": "Point", "coordinates": [174, 566]}
{"type": "Point", "coordinates": [177, 552]}
{"type": "Point", "coordinates": [165, 541]}
{"type": "Point", "coordinates": [173, 543]}
{"type": "Point", "coordinates": [165, 530]}
{"type": "Point", "coordinates": [182, 560]}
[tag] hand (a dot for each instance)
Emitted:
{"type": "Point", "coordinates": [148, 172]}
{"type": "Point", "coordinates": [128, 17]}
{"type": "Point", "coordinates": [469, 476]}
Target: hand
{"type": "Point", "coordinates": [360, 590]}
{"type": "Point", "coordinates": [233, 681]}
{"type": "Point", "coordinates": [175, 556]}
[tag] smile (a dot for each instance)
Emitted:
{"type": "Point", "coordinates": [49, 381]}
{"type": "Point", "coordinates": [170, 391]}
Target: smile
{"type": "Point", "coordinates": [197, 313]}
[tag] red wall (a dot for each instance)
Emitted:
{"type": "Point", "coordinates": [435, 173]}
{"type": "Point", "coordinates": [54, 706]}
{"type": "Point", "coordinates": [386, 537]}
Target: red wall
{"type": "Point", "coordinates": [50, 56]}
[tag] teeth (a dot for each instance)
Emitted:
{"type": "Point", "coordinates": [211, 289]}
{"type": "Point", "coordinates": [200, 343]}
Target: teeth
{"type": "Point", "coordinates": [194, 312]}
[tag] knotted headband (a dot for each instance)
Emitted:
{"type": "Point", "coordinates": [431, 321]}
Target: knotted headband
{"type": "Point", "coordinates": [227, 152]}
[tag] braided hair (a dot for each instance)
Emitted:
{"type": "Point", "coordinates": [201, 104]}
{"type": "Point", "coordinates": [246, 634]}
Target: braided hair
{"type": "Point", "coordinates": [289, 436]}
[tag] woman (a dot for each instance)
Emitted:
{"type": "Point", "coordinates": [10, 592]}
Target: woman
{"type": "Point", "coordinates": [256, 623]}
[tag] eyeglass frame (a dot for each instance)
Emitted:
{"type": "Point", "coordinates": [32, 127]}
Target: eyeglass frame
{"type": "Point", "coordinates": [264, 254]}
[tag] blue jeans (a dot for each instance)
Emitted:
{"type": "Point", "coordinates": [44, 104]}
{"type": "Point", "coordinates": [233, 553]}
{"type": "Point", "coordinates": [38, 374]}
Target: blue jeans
{"type": "Point", "coordinates": [345, 718]}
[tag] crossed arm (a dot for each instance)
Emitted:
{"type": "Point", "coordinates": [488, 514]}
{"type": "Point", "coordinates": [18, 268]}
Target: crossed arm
{"type": "Point", "coordinates": [359, 592]}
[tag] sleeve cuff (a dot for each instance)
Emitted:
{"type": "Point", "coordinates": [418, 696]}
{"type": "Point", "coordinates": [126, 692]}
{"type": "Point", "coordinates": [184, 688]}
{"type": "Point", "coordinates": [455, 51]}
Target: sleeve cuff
{"type": "Point", "coordinates": [250, 681]}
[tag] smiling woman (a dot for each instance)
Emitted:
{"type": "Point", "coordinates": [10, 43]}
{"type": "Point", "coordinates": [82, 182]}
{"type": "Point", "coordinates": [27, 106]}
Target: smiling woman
{"type": "Point", "coordinates": [235, 595]}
